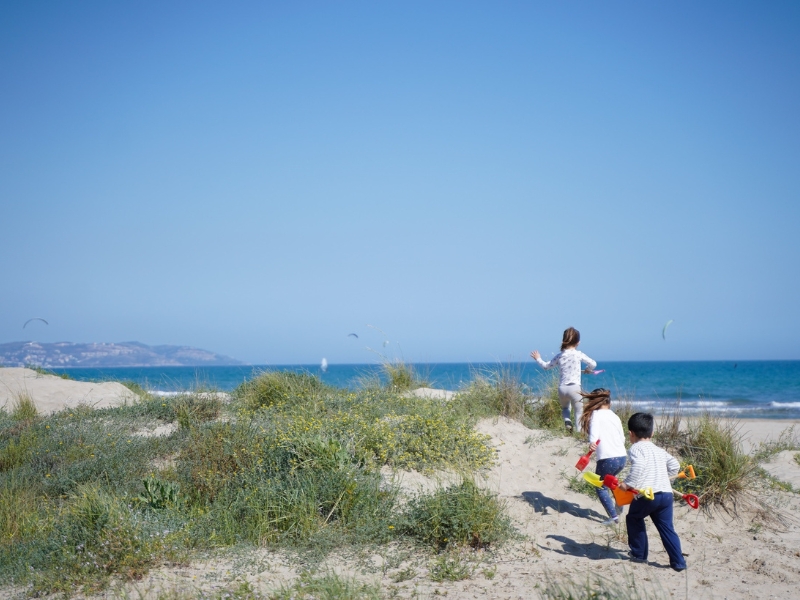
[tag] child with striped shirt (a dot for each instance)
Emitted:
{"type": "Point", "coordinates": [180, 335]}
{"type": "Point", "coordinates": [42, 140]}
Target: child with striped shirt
{"type": "Point", "coordinates": [653, 467]}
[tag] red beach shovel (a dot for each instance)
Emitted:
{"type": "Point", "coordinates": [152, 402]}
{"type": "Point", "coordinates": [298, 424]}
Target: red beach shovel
{"type": "Point", "coordinates": [584, 460]}
{"type": "Point", "coordinates": [691, 499]}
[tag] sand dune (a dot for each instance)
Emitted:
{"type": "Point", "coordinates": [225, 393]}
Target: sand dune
{"type": "Point", "coordinates": [50, 393]}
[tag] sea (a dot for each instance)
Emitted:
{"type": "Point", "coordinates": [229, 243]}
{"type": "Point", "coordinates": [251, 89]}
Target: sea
{"type": "Point", "coordinates": [746, 389]}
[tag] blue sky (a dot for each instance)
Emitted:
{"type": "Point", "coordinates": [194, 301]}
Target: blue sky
{"type": "Point", "coordinates": [261, 179]}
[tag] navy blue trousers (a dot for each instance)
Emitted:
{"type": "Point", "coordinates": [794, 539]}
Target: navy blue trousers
{"type": "Point", "coordinates": [660, 510]}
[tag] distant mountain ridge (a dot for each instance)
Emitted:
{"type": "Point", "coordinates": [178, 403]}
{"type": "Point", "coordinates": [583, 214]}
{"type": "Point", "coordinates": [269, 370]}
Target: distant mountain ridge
{"type": "Point", "coordinates": [122, 354]}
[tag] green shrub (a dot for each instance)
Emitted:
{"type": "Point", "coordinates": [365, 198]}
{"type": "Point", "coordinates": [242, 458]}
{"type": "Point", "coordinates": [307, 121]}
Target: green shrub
{"type": "Point", "coordinates": [97, 536]}
{"type": "Point", "coordinates": [276, 388]}
{"type": "Point", "coordinates": [462, 514]}
{"type": "Point", "coordinates": [212, 457]}
{"type": "Point", "coordinates": [197, 408]}
{"type": "Point", "coordinates": [401, 377]}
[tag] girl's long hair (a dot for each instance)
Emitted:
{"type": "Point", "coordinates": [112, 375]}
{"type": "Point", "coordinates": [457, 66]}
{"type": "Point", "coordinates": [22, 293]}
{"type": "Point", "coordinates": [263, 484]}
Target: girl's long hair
{"type": "Point", "coordinates": [571, 338]}
{"type": "Point", "coordinates": [591, 402]}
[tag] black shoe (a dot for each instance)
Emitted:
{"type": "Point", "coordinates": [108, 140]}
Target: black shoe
{"type": "Point", "coordinates": [633, 559]}
{"type": "Point", "coordinates": [568, 425]}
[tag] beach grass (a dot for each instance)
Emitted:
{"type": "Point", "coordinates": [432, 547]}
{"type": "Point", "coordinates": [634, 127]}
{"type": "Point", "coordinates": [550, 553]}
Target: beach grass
{"type": "Point", "coordinates": [23, 408]}
{"type": "Point", "coordinates": [501, 392]}
{"type": "Point", "coordinates": [726, 474]}
{"type": "Point", "coordinates": [88, 496]}
{"type": "Point", "coordinates": [327, 585]}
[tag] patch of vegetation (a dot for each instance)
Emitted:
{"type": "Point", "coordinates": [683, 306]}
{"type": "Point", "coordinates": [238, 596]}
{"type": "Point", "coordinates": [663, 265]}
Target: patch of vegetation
{"type": "Point", "coordinates": [43, 371]}
{"type": "Point", "coordinates": [136, 389]}
{"type": "Point", "coordinates": [327, 586]}
{"type": "Point", "coordinates": [577, 483]}
{"type": "Point", "coordinates": [193, 409]}
{"type": "Point", "coordinates": [289, 462]}
{"type": "Point", "coordinates": [502, 392]}
{"type": "Point", "coordinates": [277, 388]}
{"type": "Point", "coordinates": [462, 514]}
{"type": "Point", "coordinates": [787, 440]}
{"type": "Point", "coordinates": [24, 408]}
{"type": "Point", "coordinates": [725, 472]}
{"type": "Point", "coordinates": [450, 566]}
{"type": "Point", "coordinates": [401, 377]}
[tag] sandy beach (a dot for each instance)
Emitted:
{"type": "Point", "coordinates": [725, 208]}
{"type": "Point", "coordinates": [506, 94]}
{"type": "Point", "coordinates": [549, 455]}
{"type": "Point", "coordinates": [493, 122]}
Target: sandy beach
{"type": "Point", "coordinates": [51, 393]}
{"type": "Point", "coordinates": [561, 538]}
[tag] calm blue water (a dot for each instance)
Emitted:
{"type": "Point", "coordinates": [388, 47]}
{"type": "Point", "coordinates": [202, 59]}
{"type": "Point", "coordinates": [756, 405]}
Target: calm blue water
{"type": "Point", "coordinates": [761, 389]}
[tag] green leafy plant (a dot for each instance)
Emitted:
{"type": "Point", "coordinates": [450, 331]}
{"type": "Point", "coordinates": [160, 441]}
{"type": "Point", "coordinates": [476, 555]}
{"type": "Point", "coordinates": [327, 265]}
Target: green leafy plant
{"type": "Point", "coordinates": [461, 514]}
{"type": "Point", "coordinates": [158, 494]}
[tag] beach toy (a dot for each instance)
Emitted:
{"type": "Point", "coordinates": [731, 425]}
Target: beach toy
{"type": "Point", "coordinates": [584, 460]}
{"type": "Point", "coordinates": [612, 483]}
{"type": "Point", "coordinates": [593, 478]}
{"type": "Point", "coordinates": [691, 499]}
{"type": "Point", "coordinates": [687, 473]}
{"type": "Point", "coordinates": [598, 372]}
{"type": "Point", "coordinates": [623, 497]}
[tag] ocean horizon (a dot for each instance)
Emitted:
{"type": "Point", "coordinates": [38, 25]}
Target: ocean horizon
{"type": "Point", "coordinates": [748, 389]}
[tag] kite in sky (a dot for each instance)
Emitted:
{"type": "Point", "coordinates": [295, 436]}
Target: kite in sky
{"type": "Point", "coordinates": [35, 319]}
{"type": "Point", "coordinates": [664, 331]}
{"type": "Point", "coordinates": [353, 335]}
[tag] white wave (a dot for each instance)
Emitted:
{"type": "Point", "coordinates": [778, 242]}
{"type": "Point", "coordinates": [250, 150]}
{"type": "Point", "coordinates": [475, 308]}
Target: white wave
{"type": "Point", "coordinates": [785, 404]}
{"type": "Point", "coordinates": [705, 404]}
{"type": "Point", "coordinates": [163, 394]}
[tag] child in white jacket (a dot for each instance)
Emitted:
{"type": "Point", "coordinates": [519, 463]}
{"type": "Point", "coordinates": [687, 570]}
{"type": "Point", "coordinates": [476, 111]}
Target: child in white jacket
{"type": "Point", "coordinates": [601, 423]}
{"type": "Point", "coordinates": [569, 362]}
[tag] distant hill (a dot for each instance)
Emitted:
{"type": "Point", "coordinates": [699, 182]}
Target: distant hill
{"type": "Point", "coordinates": [123, 354]}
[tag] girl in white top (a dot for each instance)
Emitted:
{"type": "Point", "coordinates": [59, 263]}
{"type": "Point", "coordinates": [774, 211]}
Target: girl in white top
{"type": "Point", "coordinates": [569, 362]}
{"type": "Point", "coordinates": [600, 423]}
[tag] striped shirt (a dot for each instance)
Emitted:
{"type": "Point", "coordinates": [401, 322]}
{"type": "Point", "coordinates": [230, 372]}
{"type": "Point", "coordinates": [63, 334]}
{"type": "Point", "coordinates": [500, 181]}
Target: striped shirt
{"type": "Point", "coordinates": [651, 466]}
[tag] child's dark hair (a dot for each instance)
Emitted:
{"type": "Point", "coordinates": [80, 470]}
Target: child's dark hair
{"type": "Point", "coordinates": [571, 338]}
{"type": "Point", "coordinates": [641, 424]}
{"type": "Point", "coordinates": [591, 402]}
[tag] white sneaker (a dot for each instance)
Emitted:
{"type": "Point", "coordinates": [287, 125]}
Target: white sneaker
{"type": "Point", "coordinates": [610, 522]}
